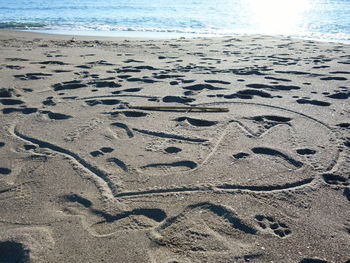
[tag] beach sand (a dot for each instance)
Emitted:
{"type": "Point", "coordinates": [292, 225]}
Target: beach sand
{"type": "Point", "coordinates": [86, 176]}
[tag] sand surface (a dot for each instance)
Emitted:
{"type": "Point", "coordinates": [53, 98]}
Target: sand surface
{"type": "Point", "coordinates": [86, 177]}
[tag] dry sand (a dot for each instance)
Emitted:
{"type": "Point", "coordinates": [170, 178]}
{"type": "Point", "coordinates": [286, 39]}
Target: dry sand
{"type": "Point", "coordinates": [86, 178]}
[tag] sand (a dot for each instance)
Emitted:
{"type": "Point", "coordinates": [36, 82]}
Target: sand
{"type": "Point", "coordinates": [87, 177]}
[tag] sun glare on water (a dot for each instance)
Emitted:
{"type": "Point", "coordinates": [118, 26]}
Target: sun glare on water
{"type": "Point", "coordinates": [278, 16]}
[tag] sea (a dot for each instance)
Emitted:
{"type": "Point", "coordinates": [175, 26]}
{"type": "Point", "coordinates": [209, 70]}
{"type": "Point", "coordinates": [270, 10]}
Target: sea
{"type": "Point", "coordinates": [327, 20]}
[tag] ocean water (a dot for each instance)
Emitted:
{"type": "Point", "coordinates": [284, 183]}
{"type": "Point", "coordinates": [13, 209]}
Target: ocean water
{"type": "Point", "coordinates": [317, 19]}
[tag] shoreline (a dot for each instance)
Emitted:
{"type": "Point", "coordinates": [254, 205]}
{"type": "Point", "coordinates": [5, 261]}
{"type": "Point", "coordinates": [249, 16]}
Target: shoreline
{"type": "Point", "coordinates": [122, 149]}
{"type": "Point", "coordinates": [164, 35]}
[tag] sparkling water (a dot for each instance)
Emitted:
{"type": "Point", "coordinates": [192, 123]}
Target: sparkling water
{"type": "Point", "coordinates": [317, 19]}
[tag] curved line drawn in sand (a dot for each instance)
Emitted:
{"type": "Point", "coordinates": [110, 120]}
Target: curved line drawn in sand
{"type": "Point", "coordinates": [279, 120]}
{"type": "Point", "coordinates": [229, 188]}
{"type": "Point", "coordinates": [100, 223]}
{"type": "Point", "coordinates": [271, 120]}
{"type": "Point", "coordinates": [197, 217]}
{"type": "Point", "coordinates": [111, 187]}
{"type": "Point", "coordinates": [336, 158]}
{"type": "Point", "coordinates": [111, 191]}
{"type": "Point", "coordinates": [169, 136]}
{"type": "Point", "coordinates": [182, 164]}
{"type": "Point", "coordinates": [107, 189]}
{"type": "Point", "coordinates": [265, 105]}
{"type": "Point", "coordinates": [193, 230]}
{"type": "Point", "coordinates": [190, 166]}
{"type": "Point", "coordinates": [251, 134]}
{"type": "Point", "coordinates": [198, 233]}
{"type": "Point", "coordinates": [273, 152]}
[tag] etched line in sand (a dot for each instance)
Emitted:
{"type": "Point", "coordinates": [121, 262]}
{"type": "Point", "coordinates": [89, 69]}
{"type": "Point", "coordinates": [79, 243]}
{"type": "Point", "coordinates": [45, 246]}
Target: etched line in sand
{"type": "Point", "coordinates": [215, 148]}
{"type": "Point", "coordinates": [46, 145]}
{"type": "Point", "coordinates": [169, 136]}
{"type": "Point", "coordinates": [246, 129]}
{"type": "Point", "coordinates": [249, 133]}
{"type": "Point", "coordinates": [185, 164]}
{"type": "Point", "coordinates": [264, 105]}
{"type": "Point", "coordinates": [223, 187]}
{"type": "Point", "coordinates": [157, 215]}
{"type": "Point", "coordinates": [272, 152]}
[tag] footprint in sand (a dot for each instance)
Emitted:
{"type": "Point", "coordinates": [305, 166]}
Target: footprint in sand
{"type": "Point", "coordinates": [205, 227]}
{"type": "Point", "coordinates": [102, 151]}
{"type": "Point", "coordinates": [268, 223]}
{"type": "Point", "coordinates": [122, 128]}
{"type": "Point", "coordinates": [103, 223]}
{"type": "Point", "coordinates": [33, 76]}
{"type": "Point", "coordinates": [24, 110]}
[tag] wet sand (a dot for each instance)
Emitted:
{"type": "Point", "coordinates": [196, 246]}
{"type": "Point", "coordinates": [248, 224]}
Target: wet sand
{"type": "Point", "coordinates": [88, 174]}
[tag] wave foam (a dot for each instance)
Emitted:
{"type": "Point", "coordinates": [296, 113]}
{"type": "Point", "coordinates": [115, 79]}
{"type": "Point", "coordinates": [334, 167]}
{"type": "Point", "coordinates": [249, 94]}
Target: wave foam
{"type": "Point", "coordinates": [21, 25]}
{"type": "Point", "coordinates": [94, 27]}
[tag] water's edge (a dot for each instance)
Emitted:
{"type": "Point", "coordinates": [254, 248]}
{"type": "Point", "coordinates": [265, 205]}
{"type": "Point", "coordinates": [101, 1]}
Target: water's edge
{"type": "Point", "coordinates": [165, 35]}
